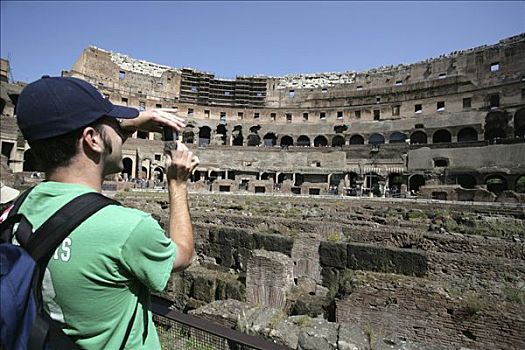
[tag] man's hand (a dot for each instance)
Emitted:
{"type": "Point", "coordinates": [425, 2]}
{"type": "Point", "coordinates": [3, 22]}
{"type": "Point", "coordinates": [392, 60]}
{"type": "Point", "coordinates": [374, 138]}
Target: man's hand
{"type": "Point", "coordinates": [154, 120]}
{"type": "Point", "coordinates": [180, 163]}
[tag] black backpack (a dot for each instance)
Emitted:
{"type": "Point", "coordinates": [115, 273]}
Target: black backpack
{"type": "Point", "coordinates": [23, 321]}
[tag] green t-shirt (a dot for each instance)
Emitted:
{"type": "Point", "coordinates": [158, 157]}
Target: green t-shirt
{"type": "Point", "coordinates": [98, 280]}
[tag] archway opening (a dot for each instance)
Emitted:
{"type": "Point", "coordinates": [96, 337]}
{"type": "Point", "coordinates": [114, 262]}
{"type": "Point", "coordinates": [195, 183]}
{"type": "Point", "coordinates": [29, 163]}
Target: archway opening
{"type": "Point", "coordinates": [376, 139]}
{"type": "Point", "coordinates": [496, 184]}
{"type": "Point", "coordinates": [286, 141]}
{"type": "Point", "coordinates": [520, 184]}
{"type": "Point", "coordinates": [269, 140]}
{"type": "Point", "coordinates": [496, 125]}
{"type": "Point", "coordinates": [418, 137]}
{"type": "Point", "coordinates": [338, 141]}
{"type": "Point", "coordinates": [357, 140]}
{"type": "Point", "coordinates": [441, 136]}
{"type": "Point", "coordinates": [519, 123]}
{"type": "Point", "coordinates": [221, 130]}
{"type": "Point", "coordinates": [395, 181]}
{"type": "Point", "coordinates": [238, 139]}
{"type": "Point", "coordinates": [188, 137]}
{"type": "Point", "coordinates": [466, 181]}
{"type": "Point", "coordinates": [397, 137]}
{"type": "Point", "coordinates": [128, 168]}
{"type": "Point", "coordinates": [204, 136]}
{"type": "Point", "coordinates": [320, 141]}
{"type": "Point", "coordinates": [303, 141]}
{"type": "Point", "coordinates": [467, 135]}
{"type": "Point", "coordinates": [254, 140]}
{"type": "Point", "coordinates": [415, 182]}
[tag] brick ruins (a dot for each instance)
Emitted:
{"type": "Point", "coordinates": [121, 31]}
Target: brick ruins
{"type": "Point", "coordinates": [340, 272]}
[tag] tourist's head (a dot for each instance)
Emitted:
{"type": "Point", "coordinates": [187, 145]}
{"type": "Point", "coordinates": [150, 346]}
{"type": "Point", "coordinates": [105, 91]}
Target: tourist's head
{"type": "Point", "coordinates": [52, 113]}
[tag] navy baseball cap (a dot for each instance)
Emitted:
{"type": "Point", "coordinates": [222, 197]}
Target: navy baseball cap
{"type": "Point", "coordinates": [54, 106]}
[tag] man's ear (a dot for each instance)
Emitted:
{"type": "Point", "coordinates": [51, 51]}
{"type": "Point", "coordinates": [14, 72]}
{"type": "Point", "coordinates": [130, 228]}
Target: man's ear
{"type": "Point", "coordinates": [92, 139]}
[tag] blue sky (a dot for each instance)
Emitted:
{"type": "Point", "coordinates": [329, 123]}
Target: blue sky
{"type": "Point", "coordinates": [248, 38]}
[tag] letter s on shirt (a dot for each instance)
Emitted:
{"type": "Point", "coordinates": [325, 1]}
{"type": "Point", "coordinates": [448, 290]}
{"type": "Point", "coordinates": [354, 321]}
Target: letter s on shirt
{"type": "Point", "coordinates": [63, 252]}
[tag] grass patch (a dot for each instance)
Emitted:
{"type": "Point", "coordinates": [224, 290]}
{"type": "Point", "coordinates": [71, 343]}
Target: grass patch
{"type": "Point", "coordinates": [514, 295]}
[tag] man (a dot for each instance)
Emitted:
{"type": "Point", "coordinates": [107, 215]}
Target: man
{"type": "Point", "coordinates": [99, 279]}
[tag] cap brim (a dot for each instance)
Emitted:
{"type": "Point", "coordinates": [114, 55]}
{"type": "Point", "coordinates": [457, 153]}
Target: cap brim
{"type": "Point", "coordinates": [123, 112]}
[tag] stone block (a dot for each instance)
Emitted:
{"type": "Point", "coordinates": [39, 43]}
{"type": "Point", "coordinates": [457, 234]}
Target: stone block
{"type": "Point", "coordinates": [333, 254]}
{"type": "Point", "coordinates": [409, 262]}
{"type": "Point", "coordinates": [274, 243]}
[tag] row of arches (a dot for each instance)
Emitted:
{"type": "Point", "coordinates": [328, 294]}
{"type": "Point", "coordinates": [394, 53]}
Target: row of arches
{"type": "Point", "coordinates": [467, 134]}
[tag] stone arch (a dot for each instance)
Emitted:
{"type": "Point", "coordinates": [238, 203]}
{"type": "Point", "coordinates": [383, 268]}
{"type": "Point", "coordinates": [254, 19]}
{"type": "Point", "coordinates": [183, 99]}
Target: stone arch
{"type": "Point", "coordinates": [519, 123]}
{"type": "Point", "coordinates": [395, 180]}
{"type": "Point", "coordinates": [221, 130]}
{"type": "Point", "coordinates": [204, 135]}
{"type": "Point", "coordinates": [188, 136]}
{"type": "Point", "coordinates": [397, 137]}
{"type": "Point", "coordinates": [415, 182]}
{"type": "Point", "coordinates": [338, 141]}
{"type": "Point", "coordinates": [269, 140]}
{"type": "Point", "coordinates": [441, 136]}
{"type": "Point", "coordinates": [158, 174]}
{"type": "Point", "coordinates": [418, 137]}
{"type": "Point", "coordinates": [237, 138]}
{"type": "Point", "coordinates": [303, 140]}
{"type": "Point", "coordinates": [466, 181]}
{"type": "Point", "coordinates": [467, 134]}
{"type": "Point", "coordinates": [146, 168]}
{"type": "Point", "coordinates": [30, 162]}
{"type": "Point", "coordinates": [127, 163]}
{"type": "Point", "coordinates": [357, 140]}
{"type": "Point", "coordinates": [496, 183]}
{"type": "Point", "coordinates": [376, 139]}
{"type": "Point", "coordinates": [320, 141]}
{"type": "Point", "coordinates": [286, 141]}
{"type": "Point", "coordinates": [254, 140]}
{"type": "Point", "coordinates": [520, 184]}
{"type": "Point", "coordinates": [496, 125]}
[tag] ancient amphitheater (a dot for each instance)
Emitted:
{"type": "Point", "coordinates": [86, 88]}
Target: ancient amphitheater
{"type": "Point", "coordinates": [290, 244]}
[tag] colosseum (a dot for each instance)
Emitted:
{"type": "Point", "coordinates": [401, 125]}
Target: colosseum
{"type": "Point", "coordinates": [450, 127]}
{"type": "Point", "coordinates": [291, 246]}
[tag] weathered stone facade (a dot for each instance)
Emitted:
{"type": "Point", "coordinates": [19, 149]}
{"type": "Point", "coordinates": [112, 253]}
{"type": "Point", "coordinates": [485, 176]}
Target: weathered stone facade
{"type": "Point", "coordinates": [454, 120]}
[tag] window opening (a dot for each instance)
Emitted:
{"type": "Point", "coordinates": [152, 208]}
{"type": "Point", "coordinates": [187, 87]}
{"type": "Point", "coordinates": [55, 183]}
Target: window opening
{"type": "Point", "coordinates": [288, 117]}
{"type": "Point", "coordinates": [395, 110]}
{"type": "Point", "coordinates": [494, 67]}
{"type": "Point", "coordinates": [418, 108]}
{"type": "Point", "coordinates": [494, 101]}
{"type": "Point", "coordinates": [124, 101]}
{"type": "Point", "coordinates": [442, 75]}
{"type": "Point", "coordinates": [322, 115]}
{"type": "Point", "coordinates": [339, 115]}
{"type": "Point", "coordinates": [273, 116]}
{"type": "Point", "coordinates": [255, 115]}
{"type": "Point", "coordinates": [398, 83]}
{"type": "Point", "coordinates": [467, 102]}
{"type": "Point", "coordinates": [240, 115]}
{"type": "Point", "coordinates": [291, 93]}
{"type": "Point", "coordinates": [206, 113]}
{"type": "Point", "coordinates": [305, 116]}
{"type": "Point", "coordinates": [121, 75]}
{"type": "Point", "coordinates": [440, 106]}
{"type": "Point", "coordinates": [142, 105]}
{"type": "Point", "coordinates": [158, 105]}
{"type": "Point", "coordinates": [190, 112]}
{"type": "Point", "coordinates": [358, 114]}
{"type": "Point", "coordinates": [377, 114]}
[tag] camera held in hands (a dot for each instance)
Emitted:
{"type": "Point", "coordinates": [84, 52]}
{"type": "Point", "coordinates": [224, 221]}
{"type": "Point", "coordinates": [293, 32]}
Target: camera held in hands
{"type": "Point", "coordinates": [169, 136]}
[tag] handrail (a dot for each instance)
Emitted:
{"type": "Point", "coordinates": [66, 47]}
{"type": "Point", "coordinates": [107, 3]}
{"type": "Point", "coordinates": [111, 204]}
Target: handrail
{"type": "Point", "coordinates": [159, 307]}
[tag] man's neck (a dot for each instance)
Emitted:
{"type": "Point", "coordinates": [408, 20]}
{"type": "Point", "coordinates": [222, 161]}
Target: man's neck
{"type": "Point", "coordinates": [77, 174]}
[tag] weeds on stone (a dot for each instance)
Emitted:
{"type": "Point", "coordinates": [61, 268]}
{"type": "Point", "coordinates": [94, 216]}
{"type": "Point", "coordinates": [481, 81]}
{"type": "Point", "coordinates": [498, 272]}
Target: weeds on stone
{"type": "Point", "coordinates": [514, 295]}
{"type": "Point", "coordinates": [370, 336]}
{"type": "Point", "coordinates": [304, 321]}
{"type": "Point", "coordinates": [333, 237]}
{"type": "Point", "coordinates": [473, 303]}
{"type": "Point", "coordinates": [276, 319]}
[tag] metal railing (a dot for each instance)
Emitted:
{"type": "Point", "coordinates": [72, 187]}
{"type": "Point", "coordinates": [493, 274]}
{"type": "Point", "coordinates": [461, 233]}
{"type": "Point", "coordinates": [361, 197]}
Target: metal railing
{"type": "Point", "coordinates": [182, 331]}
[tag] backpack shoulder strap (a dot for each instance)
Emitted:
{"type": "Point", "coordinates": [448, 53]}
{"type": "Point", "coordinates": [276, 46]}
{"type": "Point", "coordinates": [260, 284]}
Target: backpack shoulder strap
{"type": "Point", "coordinates": [51, 233]}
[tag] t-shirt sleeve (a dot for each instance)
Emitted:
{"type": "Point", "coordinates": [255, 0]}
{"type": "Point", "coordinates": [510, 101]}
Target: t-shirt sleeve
{"type": "Point", "coordinates": [149, 255]}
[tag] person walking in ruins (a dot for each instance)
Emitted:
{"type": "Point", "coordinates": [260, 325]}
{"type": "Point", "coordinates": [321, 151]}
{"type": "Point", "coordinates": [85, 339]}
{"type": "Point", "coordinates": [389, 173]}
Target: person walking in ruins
{"type": "Point", "coordinates": [100, 278]}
